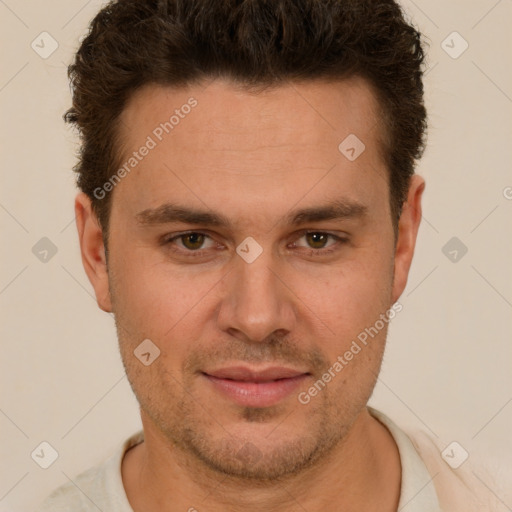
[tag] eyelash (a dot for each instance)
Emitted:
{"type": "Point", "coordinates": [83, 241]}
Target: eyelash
{"type": "Point", "coordinates": [312, 252]}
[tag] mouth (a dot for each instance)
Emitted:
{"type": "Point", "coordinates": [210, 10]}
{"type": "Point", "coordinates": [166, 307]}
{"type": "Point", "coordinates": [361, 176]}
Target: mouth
{"type": "Point", "coordinates": [256, 387]}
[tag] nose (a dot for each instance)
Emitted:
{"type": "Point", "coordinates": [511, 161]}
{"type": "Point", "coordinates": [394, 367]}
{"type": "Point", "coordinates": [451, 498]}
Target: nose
{"type": "Point", "coordinates": [256, 301]}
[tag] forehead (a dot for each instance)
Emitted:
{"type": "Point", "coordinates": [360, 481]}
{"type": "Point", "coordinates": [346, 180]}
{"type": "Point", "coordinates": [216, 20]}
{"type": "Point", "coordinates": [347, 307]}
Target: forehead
{"type": "Point", "coordinates": [210, 140]}
{"type": "Point", "coordinates": [302, 110]}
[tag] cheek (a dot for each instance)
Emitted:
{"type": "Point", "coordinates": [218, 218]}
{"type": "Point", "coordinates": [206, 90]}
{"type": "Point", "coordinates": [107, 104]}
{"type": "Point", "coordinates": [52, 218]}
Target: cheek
{"type": "Point", "coordinates": [350, 296]}
{"type": "Point", "coordinates": [156, 300]}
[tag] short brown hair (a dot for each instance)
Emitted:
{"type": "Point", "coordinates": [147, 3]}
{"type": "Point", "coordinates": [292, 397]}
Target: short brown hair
{"type": "Point", "coordinates": [255, 43]}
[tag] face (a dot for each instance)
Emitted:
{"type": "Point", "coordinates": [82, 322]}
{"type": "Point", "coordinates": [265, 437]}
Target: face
{"type": "Point", "coordinates": [253, 254]}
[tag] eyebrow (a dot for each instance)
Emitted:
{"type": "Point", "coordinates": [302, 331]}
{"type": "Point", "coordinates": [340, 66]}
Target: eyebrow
{"type": "Point", "coordinates": [334, 210]}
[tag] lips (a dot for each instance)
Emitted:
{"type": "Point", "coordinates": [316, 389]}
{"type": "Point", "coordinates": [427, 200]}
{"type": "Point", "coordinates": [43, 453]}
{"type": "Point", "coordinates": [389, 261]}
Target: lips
{"type": "Point", "coordinates": [255, 388]}
{"type": "Point", "coordinates": [244, 374]}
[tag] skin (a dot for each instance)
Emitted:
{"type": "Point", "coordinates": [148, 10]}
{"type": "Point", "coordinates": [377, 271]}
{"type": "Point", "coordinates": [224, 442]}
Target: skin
{"type": "Point", "coordinates": [254, 158]}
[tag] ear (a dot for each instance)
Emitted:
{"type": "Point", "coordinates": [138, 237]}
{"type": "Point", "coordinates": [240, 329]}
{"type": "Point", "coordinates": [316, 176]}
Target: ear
{"type": "Point", "coordinates": [408, 226]}
{"type": "Point", "coordinates": [93, 250]}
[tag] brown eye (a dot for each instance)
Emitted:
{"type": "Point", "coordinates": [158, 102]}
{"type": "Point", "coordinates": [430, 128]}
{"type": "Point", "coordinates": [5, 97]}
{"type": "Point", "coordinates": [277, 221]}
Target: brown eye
{"type": "Point", "coordinates": [317, 240]}
{"type": "Point", "coordinates": [190, 244]}
{"type": "Point", "coordinates": [319, 243]}
{"type": "Point", "coordinates": [192, 241]}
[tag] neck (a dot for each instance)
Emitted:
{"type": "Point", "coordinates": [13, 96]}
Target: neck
{"type": "Point", "coordinates": [361, 473]}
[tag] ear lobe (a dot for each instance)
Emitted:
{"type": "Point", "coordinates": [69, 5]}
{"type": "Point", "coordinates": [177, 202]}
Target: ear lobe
{"type": "Point", "coordinates": [408, 226]}
{"type": "Point", "coordinates": [92, 250]}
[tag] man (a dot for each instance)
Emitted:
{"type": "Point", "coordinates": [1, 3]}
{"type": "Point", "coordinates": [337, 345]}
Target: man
{"type": "Point", "coordinates": [249, 212]}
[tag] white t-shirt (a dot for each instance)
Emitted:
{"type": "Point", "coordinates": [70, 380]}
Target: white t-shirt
{"type": "Point", "coordinates": [429, 484]}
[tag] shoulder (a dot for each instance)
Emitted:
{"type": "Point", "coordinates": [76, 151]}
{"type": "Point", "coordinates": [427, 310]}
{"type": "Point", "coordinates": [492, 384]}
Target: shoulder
{"type": "Point", "coordinates": [77, 494]}
{"type": "Point", "coordinates": [97, 488]}
{"type": "Point", "coordinates": [69, 496]}
{"type": "Point", "coordinates": [463, 481]}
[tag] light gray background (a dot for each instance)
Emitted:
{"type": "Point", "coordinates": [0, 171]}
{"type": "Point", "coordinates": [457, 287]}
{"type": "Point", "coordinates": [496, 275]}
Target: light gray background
{"type": "Point", "coordinates": [447, 364]}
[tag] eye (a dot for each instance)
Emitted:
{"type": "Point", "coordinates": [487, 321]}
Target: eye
{"type": "Point", "coordinates": [192, 241]}
{"type": "Point", "coordinates": [317, 241]}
